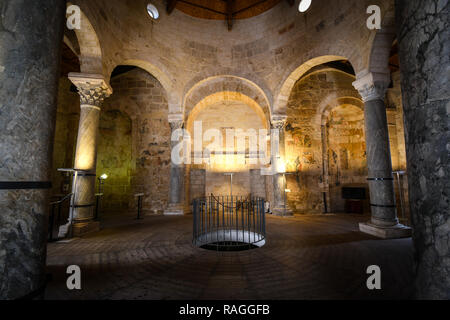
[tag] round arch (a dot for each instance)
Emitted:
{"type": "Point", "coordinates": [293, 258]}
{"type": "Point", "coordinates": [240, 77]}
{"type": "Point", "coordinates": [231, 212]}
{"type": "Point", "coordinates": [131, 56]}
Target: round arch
{"type": "Point", "coordinates": [344, 97]}
{"type": "Point", "coordinates": [287, 85]}
{"type": "Point", "coordinates": [165, 80]}
{"type": "Point", "coordinates": [225, 96]}
{"type": "Point", "coordinates": [212, 85]}
{"type": "Point", "coordinates": [382, 41]}
{"type": "Point", "coordinates": [214, 73]}
{"type": "Point", "coordinates": [91, 60]}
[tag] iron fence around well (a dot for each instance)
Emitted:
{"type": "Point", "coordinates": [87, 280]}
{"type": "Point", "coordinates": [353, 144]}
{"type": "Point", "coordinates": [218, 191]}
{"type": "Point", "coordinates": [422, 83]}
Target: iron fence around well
{"type": "Point", "coordinates": [228, 223]}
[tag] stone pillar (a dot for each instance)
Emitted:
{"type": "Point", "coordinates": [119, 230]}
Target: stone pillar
{"type": "Point", "coordinates": [279, 207]}
{"type": "Point", "coordinates": [93, 89]}
{"type": "Point", "coordinates": [384, 223]}
{"type": "Point", "coordinates": [176, 201]}
{"type": "Point", "coordinates": [424, 51]}
{"type": "Point", "coordinates": [29, 72]}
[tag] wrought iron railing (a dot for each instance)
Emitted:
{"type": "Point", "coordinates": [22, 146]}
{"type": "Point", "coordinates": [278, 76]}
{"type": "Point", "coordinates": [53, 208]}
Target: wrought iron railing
{"type": "Point", "coordinates": [56, 206]}
{"type": "Point", "coordinates": [226, 223]}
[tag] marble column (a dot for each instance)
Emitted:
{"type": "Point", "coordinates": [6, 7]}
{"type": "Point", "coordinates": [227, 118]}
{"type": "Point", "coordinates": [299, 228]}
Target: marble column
{"type": "Point", "coordinates": [29, 72]}
{"type": "Point", "coordinates": [92, 89]}
{"type": "Point", "coordinates": [424, 52]}
{"type": "Point", "coordinates": [277, 134]}
{"type": "Point", "coordinates": [384, 223]}
{"type": "Point", "coordinates": [176, 189]}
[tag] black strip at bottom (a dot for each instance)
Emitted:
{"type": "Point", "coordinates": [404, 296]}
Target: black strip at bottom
{"type": "Point", "coordinates": [34, 294]}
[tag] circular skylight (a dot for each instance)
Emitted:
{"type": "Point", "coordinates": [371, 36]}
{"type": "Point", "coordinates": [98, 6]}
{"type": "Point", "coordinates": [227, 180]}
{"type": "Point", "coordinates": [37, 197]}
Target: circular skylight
{"type": "Point", "coordinates": [304, 5]}
{"type": "Point", "coordinates": [152, 11]}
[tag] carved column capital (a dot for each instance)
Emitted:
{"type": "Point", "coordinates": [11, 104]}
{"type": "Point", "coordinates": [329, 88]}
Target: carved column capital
{"type": "Point", "coordinates": [92, 88]}
{"type": "Point", "coordinates": [176, 121]}
{"type": "Point", "coordinates": [372, 86]}
{"type": "Point", "coordinates": [278, 121]}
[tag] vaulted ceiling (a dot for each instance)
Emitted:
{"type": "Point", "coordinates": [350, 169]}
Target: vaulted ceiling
{"type": "Point", "coordinates": [228, 10]}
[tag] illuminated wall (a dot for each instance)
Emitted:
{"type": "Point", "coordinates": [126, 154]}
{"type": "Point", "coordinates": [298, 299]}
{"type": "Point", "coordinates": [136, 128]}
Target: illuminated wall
{"type": "Point", "coordinates": [346, 152]}
{"type": "Point", "coordinates": [67, 117]}
{"type": "Point", "coordinates": [310, 105]}
{"type": "Point", "coordinates": [141, 97]}
{"type": "Point", "coordinates": [115, 159]}
{"type": "Point", "coordinates": [325, 147]}
{"type": "Point", "coordinates": [227, 115]}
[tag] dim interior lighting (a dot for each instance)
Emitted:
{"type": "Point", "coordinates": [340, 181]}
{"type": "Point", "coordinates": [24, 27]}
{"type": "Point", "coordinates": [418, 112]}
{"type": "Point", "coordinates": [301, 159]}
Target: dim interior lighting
{"type": "Point", "coordinates": [104, 176]}
{"type": "Point", "coordinates": [304, 5]}
{"type": "Point", "coordinates": [152, 11]}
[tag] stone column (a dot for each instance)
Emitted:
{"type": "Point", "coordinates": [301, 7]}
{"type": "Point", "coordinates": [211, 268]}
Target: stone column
{"type": "Point", "coordinates": [93, 89]}
{"type": "Point", "coordinates": [384, 223]}
{"type": "Point", "coordinates": [424, 51]}
{"type": "Point", "coordinates": [29, 72]}
{"type": "Point", "coordinates": [176, 201]}
{"type": "Point", "coordinates": [279, 207]}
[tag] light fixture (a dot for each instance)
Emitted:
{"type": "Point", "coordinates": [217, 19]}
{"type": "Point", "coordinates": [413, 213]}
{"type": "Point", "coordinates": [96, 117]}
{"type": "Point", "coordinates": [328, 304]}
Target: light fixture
{"type": "Point", "coordinates": [104, 176]}
{"type": "Point", "coordinates": [152, 11]}
{"type": "Point", "coordinates": [304, 5]}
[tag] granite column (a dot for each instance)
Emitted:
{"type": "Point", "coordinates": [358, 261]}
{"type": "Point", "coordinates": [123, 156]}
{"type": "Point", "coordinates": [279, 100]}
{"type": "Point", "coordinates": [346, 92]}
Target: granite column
{"type": "Point", "coordinates": [31, 35]}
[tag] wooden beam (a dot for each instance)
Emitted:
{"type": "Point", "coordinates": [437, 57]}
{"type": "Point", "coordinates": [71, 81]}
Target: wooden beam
{"type": "Point", "coordinates": [171, 4]}
{"type": "Point", "coordinates": [202, 7]}
{"type": "Point", "coordinates": [291, 2]}
{"type": "Point", "coordinates": [230, 6]}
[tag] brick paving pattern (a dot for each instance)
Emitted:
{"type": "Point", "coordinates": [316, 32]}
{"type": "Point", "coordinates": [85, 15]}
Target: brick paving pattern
{"type": "Point", "coordinates": [306, 257]}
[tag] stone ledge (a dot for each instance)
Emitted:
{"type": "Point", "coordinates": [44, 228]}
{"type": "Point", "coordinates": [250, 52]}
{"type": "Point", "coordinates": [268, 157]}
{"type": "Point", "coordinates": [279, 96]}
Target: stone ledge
{"type": "Point", "coordinates": [282, 212]}
{"type": "Point", "coordinates": [395, 232]}
{"type": "Point", "coordinates": [80, 229]}
{"type": "Point", "coordinates": [175, 210]}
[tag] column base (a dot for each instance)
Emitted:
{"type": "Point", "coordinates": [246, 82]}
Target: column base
{"type": "Point", "coordinates": [282, 212]}
{"type": "Point", "coordinates": [174, 210]}
{"type": "Point", "coordinates": [79, 229]}
{"type": "Point", "coordinates": [394, 232]}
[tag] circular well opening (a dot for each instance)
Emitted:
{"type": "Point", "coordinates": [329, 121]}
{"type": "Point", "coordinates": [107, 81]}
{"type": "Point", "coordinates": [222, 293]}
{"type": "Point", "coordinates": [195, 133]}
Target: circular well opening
{"type": "Point", "coordinates": [227, 246]}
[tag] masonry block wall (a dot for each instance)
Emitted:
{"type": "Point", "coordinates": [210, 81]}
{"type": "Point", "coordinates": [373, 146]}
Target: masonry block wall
{"type": "Point", "coordinates": [115, 159]}
{"type": "Point", "coordinates": [66, 129]}
{"type": "Point", "coordinates": [197, 183]}
{"type": "Point", "coordinates": [141, 97]}
{"type": "Point", "coordinates": [325, 143]}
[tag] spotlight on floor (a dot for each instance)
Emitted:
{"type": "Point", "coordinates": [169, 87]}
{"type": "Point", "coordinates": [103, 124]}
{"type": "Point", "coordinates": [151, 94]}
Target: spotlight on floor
{"type": "Point", "coordinates": [304, 5]}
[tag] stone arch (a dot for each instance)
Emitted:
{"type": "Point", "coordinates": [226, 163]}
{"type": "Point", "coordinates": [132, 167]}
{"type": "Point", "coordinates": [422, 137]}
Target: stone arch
{"type": "Point", "coordinates": [225, 96]}
{"type": "Point", "coordinates": [164, 79]}
{"type": "Point", "coordinates": [382, 44]}
{"type": "Point", "coordinates": [90, 50]}
{"type": "Point", "coordinates": [217, 84]}
{"type": "Point", "coordinates": [213, 73]}
{"type": "Point", "coordinates": [287, 85]}
{"type": "Point", "coordinates": [342, 97]}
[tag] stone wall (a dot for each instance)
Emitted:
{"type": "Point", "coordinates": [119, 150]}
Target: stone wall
{"type": "Point", "coordinates": [142, 98]}
{"type": "Point", "coordinates": [346, 159]}
{"type": "Point", "coordinates": [66, 129]}
{"type": "Point", "coordinates": [115, 159]}
{"type": "Point", "coordinates": [227, 115]}
{"type": "Point", "coordinates": [266, 49]}
{"type": "Point", "coordinates": [398, 149]}
{"type": "Point", "coordinates": [313, 114]}
{"type": "Point", "coordinates": [311, 102]}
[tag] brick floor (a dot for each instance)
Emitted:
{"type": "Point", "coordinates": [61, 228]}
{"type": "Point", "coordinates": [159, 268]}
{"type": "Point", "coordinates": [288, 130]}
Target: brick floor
{"type": "Point", "coordinates": [306, 257]}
